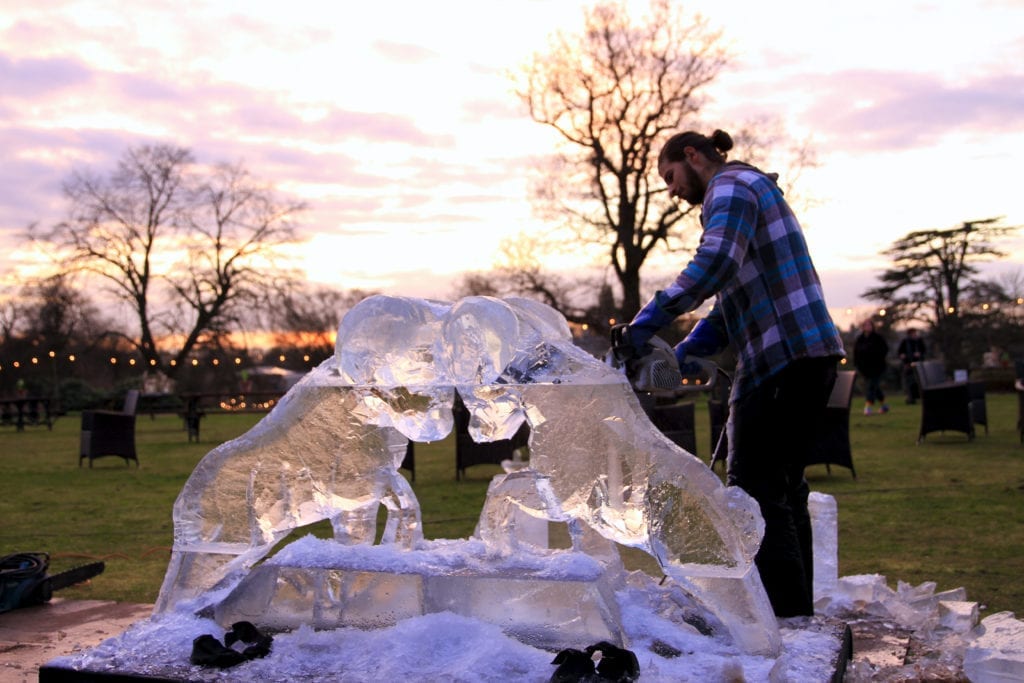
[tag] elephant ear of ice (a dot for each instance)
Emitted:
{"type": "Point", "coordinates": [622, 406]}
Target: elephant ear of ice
{"type": "Point", "coordinates": [480, 335]}
{"type": "Point", "coordinates": [495, 413]}
{"type": "Point", "coordinates": [546, 353]}
{"type": "Point", "coordinates": [391, 341]}
{"type": "Point", "coordinates": [390, 346]}
{"type": "Point", "coordinates": [546, 321]}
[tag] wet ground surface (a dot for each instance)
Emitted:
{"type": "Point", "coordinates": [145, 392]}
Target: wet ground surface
{"type": "Point", "coordinates": [32, 636]}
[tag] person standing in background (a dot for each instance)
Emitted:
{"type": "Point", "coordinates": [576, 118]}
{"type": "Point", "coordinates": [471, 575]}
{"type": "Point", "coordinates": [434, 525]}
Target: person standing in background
{"type": "Point", "coordinates": [869, 352]}
{"type": "Point", "coordinates": [911, 350]}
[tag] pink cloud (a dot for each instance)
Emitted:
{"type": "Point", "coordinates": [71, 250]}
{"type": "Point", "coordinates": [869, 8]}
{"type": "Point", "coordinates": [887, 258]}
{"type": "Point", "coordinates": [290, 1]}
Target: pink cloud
{"type": "Point", "coordinates": [871, 110]}
{"type": "Point", "coordinates": [378, 126]}
{"type": "Point", "coordinates": [36, 77]}
{"type": "Point", "coordinates": [481, 110]}
{"type": "Point", "coordinates": [404, 53]}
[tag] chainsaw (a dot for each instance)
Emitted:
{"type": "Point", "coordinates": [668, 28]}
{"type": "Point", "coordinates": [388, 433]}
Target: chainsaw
{"type": "Point", "coordinates": [654, 370]}
{"type": "Point", "coordinates": [655, 375]}
{"type": "Point", "coordinates": [24, 580]}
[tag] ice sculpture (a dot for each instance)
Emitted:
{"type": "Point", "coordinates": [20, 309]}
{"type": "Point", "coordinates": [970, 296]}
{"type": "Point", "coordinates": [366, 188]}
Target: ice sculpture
{"type": "Point", "coordinates": [331, 450]}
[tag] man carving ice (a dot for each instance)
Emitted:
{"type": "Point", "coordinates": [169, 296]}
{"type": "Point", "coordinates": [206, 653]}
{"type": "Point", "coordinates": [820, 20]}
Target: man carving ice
{"type": "Point", "coordinates": [769, 306]}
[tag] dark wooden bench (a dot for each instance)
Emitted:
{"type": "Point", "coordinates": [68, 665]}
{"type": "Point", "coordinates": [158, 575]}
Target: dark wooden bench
{"type": "Point", "coordinates": [156, 403]}
{"type": "Point", "coordinates": [196, 406]}
{"type": "Point", "coordinates": [26, 411]}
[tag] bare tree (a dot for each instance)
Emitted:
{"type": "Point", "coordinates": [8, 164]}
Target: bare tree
{"type": "Point", "coordinates": [183, 246]}
{"type": "Point", "coordinates": [991, 315]}
{"type": "Point", "coordinates": [47, 321]}
{"type": "Point", "coordinates": [56, 313]}
{"type": "Point", "coordinates": [1012, 285]}
{"type": "Point", "coordinates": [10, 317]}
{"type": "Point", "coordinates": [305, 317]}
{"type": "Point", "coordinates": [613, 93]}
{"type": "Point", "coordinates": [519, 272]}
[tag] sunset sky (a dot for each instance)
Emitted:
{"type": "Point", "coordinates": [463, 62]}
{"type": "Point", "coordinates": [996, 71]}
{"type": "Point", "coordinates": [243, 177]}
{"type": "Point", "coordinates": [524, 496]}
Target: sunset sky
{"type": "Point", "coordinates": [397, 123]}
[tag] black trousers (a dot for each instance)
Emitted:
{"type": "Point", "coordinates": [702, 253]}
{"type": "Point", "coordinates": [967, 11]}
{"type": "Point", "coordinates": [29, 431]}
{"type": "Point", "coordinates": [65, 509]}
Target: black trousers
{"type": "Point", "coordinates": [771, 434]}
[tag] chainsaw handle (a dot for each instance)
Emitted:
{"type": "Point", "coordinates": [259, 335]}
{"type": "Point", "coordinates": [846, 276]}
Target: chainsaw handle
{"type": "Point", "coordinates": [623, 348]}
{"type": "Point", "coordinates": [706, 368]}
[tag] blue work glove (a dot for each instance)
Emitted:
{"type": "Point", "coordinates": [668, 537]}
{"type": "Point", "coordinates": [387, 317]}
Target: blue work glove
{"type": "Point", "coordinates": [645, 324]}
{"type": "Point", "coordinates": [705, 339]}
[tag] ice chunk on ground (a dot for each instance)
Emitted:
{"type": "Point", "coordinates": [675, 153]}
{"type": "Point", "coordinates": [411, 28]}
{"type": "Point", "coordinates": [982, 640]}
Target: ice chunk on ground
{"type": "Point", "coordinates": [959, 616]}
{"type": "Point", "coordinates": [825, 538]}
{"type": "Point", "coordinates": [996, 654]}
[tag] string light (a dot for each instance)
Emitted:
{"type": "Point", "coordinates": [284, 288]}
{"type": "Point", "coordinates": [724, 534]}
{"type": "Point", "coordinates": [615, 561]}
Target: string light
{"type": "Point", "coordinates": [256, 357]}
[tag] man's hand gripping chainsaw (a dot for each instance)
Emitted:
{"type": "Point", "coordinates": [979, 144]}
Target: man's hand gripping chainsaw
{"type": "Point", "coordinates": [654, 368]}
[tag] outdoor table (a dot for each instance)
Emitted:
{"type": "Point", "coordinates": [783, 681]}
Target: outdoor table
{"type": "Point", "coordinates": [24, 410]}
{"type": "Point", "coordinates": [198, 404]}
{"type": "Point", "coordinates": [952, 406]}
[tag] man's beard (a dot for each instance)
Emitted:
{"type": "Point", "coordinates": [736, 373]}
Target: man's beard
{"type": "Point", "coordinates": [695, 186]}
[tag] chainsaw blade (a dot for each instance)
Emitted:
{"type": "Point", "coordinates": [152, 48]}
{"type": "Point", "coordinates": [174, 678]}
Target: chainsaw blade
{"type": "Point", "coordinates": [75, 575]}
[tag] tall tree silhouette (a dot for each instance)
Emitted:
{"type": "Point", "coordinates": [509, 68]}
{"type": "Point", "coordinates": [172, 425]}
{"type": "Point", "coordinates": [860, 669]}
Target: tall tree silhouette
{"type": "Point", "coordinates": [612, 93]}
{"type": "Point", "coordinates": [931, 270]}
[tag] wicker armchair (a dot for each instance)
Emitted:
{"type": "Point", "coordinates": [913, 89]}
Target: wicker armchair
{"type": "Point", "coordinates": [947, 405]}
{"type": "Point", "coordinates": [832, 442]}
{"type": "Point", "coordinates": [676, 421]}
{"type": "Point", "coordinates": [110, 432]}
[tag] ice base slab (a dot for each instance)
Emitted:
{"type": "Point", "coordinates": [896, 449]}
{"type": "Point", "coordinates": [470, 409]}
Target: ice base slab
{"type": "Point", "coordinates": [549, 601]}
{"type": "Point", "coordinates": [442, 646]}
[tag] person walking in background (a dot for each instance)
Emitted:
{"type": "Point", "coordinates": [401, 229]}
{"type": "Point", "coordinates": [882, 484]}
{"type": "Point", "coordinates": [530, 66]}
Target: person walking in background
{"type": "Point", "coordinates": [869, 352]}
{"type": "Point", "coordinates": [770, 308]}
{"type": "Point", "coordinates": [911, 350]}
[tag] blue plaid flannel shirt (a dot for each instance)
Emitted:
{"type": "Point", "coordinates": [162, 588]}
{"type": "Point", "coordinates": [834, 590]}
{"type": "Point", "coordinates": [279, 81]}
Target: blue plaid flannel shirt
{"type": "Point", "coordinates": [753, 258]}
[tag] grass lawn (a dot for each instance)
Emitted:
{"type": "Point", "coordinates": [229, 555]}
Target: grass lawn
{"type": "Point", "coordinates": [948, 511]}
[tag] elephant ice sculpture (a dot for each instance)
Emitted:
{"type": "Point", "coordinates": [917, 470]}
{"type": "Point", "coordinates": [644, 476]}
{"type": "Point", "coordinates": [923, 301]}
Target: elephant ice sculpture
{"type": "Point", "coordinates": [330, 450]}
